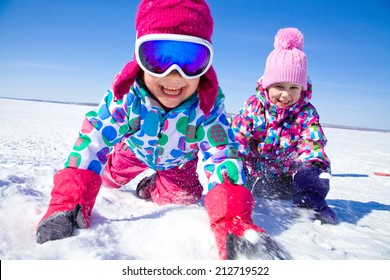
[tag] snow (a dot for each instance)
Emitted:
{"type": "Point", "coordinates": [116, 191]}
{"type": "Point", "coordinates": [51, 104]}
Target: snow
{"type": "Point", "coordinates": [36, 138]}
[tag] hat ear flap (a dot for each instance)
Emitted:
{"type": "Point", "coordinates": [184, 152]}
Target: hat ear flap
{"type": "Point", "coordinates": [123, 81]}
{"type": "Point", "coordinates": [208, 90]}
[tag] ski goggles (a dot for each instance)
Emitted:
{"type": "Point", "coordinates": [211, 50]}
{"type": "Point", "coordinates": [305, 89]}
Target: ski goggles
{"type": "Point", "coordinates": [159, 54]}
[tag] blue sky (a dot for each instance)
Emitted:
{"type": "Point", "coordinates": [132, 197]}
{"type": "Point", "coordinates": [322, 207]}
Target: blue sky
{"type": "Point", "coordinates": [69, 50]}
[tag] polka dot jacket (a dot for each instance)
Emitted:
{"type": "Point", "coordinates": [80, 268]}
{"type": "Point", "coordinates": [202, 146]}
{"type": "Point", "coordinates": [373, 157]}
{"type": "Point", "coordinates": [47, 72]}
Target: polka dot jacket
{"type": "Point", "coordinates": [160, 139]}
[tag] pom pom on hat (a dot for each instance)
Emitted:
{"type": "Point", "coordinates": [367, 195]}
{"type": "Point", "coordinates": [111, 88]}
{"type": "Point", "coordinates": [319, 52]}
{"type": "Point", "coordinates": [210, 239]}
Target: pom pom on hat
{"type": "Point", "coordinates": [289, 38]}
{"type": "Point", "coordinates": [287, 62]}
{"type": "Point", "coordinates": [185, 17]}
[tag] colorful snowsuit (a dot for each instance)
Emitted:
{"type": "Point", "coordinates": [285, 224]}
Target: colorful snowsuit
{"type": "Point", "coordinates": [274, 142]}
{"type": "Point", "coordinates": [158, 140]}
{"type": "Point", "coordinates": [280, 141]}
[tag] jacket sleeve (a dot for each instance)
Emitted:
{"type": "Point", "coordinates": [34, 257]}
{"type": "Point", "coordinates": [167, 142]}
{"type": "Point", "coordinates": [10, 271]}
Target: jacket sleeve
{"type": "Point", "coordinates": [242, 124]}
{"type": "Point", "coordinates": [100, 131]}
{"type": "Point", "coordinates": [312, 142]}
{"type": "Point", "coordinates": [219, 148]}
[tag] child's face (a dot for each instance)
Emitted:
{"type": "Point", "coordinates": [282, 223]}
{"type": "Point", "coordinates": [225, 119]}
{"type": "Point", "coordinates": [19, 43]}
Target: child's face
{"type": "Point", "coordinates": [284, 95]}
{"type": "Point", "coordinates": [172, 89]}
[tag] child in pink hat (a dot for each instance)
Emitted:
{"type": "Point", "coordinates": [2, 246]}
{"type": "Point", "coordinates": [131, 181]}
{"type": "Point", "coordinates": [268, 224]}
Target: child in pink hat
{"type": "Point", "coordinates": [281, 139]}
{"type": "Point", "coordinates": [163, 109]}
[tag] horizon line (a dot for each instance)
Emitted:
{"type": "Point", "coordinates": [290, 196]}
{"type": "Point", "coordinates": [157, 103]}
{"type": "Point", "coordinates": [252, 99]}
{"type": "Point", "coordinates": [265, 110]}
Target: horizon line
{"type": "Point", "coordinates": [337, 126]}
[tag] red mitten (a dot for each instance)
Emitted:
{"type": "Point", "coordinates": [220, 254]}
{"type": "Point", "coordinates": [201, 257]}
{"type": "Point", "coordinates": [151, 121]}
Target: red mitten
{"type": "Point", "coordinates": [72, 199]}
{"type": "Point", "coordinates": [230, 212]}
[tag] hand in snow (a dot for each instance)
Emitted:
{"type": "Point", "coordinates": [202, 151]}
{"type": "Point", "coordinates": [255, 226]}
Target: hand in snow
{"type": "Point", "coordinates": [254, 246]}
{"type": "Point", "coordinates": [230, 212]}
{"type": "Point", "coordinates": [60, 225]}
{"type": "Point", "coordinates": [309, 191]}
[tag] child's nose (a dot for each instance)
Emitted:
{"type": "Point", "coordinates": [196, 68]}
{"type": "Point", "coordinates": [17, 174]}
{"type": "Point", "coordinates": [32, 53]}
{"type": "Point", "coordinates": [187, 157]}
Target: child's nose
{"type": "Point", "coordinates": [174, 73]}
{"type": "Point", "coordinates": [284, 93]}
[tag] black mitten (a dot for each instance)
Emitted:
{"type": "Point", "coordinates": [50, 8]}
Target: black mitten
{"type": "Point", "coordinates": [60, 225]}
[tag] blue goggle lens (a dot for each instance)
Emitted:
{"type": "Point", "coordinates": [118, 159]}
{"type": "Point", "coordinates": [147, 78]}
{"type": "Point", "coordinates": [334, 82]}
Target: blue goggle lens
{"type": "Point", "coordinates": [157, 56]}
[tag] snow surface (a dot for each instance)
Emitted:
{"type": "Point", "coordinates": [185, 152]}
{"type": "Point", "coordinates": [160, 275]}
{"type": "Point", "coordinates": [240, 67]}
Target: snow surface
{"type": "Point", "coordinates": [36, 137]}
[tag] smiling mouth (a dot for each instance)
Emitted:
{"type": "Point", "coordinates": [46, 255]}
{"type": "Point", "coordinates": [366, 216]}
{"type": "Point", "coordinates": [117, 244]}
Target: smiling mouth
{"type": "Point", "coordinates": [283, 102]}
{"type": "Point", "coordinates": [171, 90]}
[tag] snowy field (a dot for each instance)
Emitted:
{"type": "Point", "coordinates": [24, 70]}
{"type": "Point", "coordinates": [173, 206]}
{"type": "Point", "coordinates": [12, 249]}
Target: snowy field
{"type": "Point", "coordinates": [35, 138]}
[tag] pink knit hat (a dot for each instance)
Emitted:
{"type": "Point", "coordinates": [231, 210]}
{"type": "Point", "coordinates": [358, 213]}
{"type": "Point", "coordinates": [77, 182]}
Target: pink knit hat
{"type": "Point", "coordinates": [185, 17]}
{"type": "Point", "coordinates": [287, 62]}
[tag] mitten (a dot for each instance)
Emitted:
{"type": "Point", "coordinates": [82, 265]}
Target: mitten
{"type": "Point", "coordinates": [72, 199]}
{"type": "Point", "coordinates": [60, 225]}
{"type": "Point", "coordinates": [309, 191]}
{"type": "Point", "coordinates": [230, 209]}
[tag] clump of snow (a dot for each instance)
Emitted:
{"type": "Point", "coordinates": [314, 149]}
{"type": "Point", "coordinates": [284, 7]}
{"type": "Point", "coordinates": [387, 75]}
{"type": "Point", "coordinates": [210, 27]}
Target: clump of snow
{"type": "Point", "coordinates": [252, 236]}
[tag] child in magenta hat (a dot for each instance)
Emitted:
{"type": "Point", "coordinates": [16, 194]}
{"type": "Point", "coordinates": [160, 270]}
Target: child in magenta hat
{"type": "Point", "coordinates": [281, 139]}
{"type": "Point", "coordinates": [163, 109]}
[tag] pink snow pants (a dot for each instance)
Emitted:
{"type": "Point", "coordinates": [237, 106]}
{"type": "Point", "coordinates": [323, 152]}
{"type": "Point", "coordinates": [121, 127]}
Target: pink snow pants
{"type": "Point", "coordinates": [179, 185]}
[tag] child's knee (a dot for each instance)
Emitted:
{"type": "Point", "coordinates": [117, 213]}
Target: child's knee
{"type": "Point", "coordinates": [173, 194]}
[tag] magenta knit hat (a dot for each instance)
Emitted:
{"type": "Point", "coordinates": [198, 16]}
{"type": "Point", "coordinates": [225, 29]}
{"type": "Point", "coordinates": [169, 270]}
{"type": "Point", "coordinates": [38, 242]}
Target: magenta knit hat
{"type": "Point", "coordinates": [287, 62]}
{"type": "Point", "coordinates": [185, 17]}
